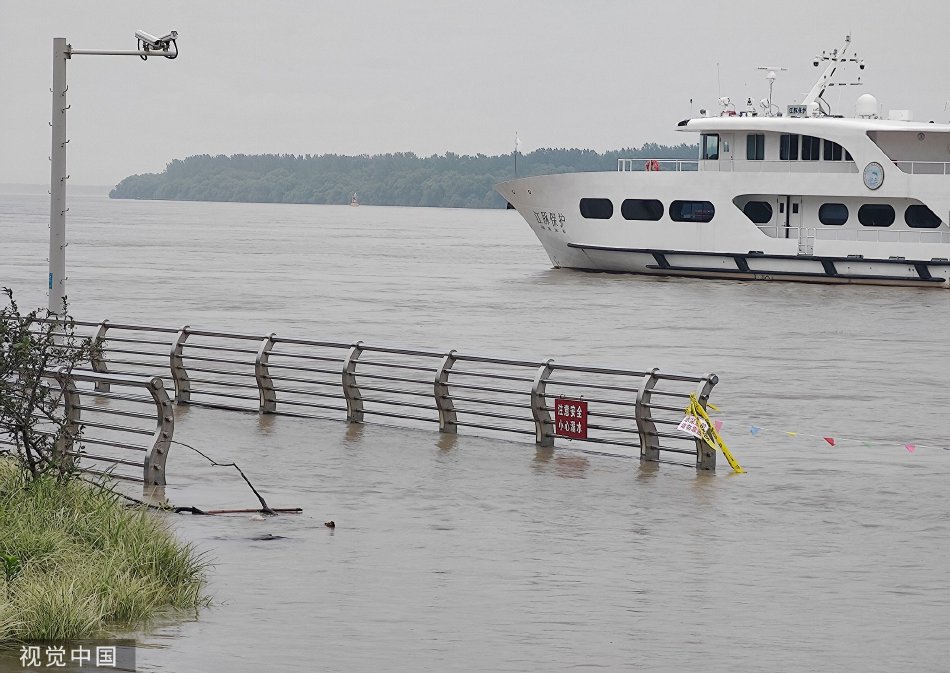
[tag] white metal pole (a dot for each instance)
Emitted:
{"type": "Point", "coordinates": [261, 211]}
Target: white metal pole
{"type": "Point", "coordinates": [57, 181]}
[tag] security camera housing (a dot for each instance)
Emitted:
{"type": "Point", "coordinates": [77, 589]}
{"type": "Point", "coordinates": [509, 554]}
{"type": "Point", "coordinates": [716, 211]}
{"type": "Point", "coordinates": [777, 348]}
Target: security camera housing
{"type": "Point", "coordinates": [149, 41]}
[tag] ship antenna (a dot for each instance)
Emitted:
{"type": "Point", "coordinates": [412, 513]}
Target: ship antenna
{"type": "Point", "coordinates": [767, 104]}
{"type": "Point", "coordinates": [833, 60]}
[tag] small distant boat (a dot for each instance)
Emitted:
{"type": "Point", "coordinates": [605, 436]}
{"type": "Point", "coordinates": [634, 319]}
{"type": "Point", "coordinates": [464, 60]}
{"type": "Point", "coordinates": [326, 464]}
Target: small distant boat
{"type": "Point", "coordinates": [354, 201]}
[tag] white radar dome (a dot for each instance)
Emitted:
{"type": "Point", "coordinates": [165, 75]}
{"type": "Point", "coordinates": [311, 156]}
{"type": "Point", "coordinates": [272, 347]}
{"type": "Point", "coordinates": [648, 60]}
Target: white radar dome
{"type": "Point", "coordinates": [866, 106]}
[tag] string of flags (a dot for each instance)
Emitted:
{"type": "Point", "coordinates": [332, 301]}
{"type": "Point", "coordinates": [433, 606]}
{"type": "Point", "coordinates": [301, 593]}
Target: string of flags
{"type": "Point", "coordinates": [910, 447]}
{"type": "Point", "coordinates": [697, 423]}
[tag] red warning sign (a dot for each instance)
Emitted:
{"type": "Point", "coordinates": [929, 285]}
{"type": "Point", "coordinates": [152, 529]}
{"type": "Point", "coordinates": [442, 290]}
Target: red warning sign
{"type": "Point", "coordinates": [570, 418]}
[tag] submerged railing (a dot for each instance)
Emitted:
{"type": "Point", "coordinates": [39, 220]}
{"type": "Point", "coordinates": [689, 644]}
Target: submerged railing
{"type": "Point", "coordinates": [117, 425]}
{"type": "Point", "coordinates": [359, 382]}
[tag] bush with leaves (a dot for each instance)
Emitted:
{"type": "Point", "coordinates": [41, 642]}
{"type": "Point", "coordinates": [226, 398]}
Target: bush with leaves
{"type": "Point", "coordinates": [38, 352]}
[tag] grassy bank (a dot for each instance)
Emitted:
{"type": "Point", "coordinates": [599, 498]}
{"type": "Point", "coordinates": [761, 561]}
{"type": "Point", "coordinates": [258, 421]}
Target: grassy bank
{"type": "Point", "coordinates": [76, 562]}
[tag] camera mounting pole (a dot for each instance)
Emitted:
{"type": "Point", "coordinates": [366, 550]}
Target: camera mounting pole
{"type": "Point", "coordinates": [165, 46]}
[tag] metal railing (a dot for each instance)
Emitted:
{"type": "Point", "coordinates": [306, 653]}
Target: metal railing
{"type": "Point", "coordinates": [923, 167]}
{"type": "Point", "coordinates": [116, 425]}
{"type": "Point", "coordinates": [865, 234]}
{"type": "Point", "coordinates": [359, 382]}
{"type": "Point", "coordinates": [883, 235]}
{"type": "Point", "coordinates": [676, 165]}
{"type": "Point", "coordinates": [738, 165]}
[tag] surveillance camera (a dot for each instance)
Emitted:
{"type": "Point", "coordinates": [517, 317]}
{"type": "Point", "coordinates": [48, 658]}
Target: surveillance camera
{"type": "Point", "coordinates": [861, 64]}
{"type": "Point", "coordinates": [815, 62]}
{"type": "Point", "coordinates": [166, 43]}
{"type": "Point", "coordinates": [149, 41]}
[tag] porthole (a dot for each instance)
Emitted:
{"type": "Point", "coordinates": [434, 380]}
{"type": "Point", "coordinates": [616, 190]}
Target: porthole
{"type": "Point", "coordinates": [641, 209]}
{"type": "Point", "coordinates": [692, 211]}
{"type": "Point", "coordinates": [760, 212]}
{"type": "Point", "coordinates": [597, 209]}
{"type": "Point", "coordinates": [876, 215]}
{"type": "Point", "coordinates": [921, 217]}
{"type": "Point", "coordinates": [833, 213]}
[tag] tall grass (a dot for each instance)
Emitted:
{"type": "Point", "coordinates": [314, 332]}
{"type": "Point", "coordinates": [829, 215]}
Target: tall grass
{"type": "Point", "coordinates": [75, 561]}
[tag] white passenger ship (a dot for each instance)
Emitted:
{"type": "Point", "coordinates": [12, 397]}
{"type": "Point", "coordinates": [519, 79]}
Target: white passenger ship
{"type": "Point", "coordinates": [804, 196]}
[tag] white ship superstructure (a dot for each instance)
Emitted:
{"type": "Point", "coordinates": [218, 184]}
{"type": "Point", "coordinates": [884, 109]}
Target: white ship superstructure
{"type": "Point", "coordinates": [801, 196]}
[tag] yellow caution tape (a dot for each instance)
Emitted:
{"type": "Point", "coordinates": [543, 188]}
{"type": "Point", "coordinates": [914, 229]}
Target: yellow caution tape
{"type": "Point", "coordinates": [709, 434]}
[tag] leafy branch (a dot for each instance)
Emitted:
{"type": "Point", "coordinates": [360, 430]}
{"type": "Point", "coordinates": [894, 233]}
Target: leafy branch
{"type": "Point", "coordinates": [38, 352]}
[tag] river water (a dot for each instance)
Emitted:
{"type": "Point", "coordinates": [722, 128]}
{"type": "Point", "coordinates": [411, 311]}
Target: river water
{"type": "Point", "coordinates": [473, 554]}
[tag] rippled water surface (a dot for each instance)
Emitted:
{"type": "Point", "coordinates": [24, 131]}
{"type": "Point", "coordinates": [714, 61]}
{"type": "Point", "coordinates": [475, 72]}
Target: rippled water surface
{"type": "Point", "coordinates": [473, 554]}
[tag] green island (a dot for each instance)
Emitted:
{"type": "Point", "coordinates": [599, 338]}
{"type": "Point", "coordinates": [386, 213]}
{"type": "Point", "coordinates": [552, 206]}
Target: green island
{"type": "Point", "coordinates": [401, 179]}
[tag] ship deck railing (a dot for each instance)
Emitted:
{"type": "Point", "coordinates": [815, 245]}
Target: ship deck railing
{"type": "Point", "coordinates": [676, 165]}
{"type": "Point", "coordinates": [739, 165]}
{"type": "Point", "coordinates": [869, 235]}
{"type": "Point", "coordinates": [923, 167]}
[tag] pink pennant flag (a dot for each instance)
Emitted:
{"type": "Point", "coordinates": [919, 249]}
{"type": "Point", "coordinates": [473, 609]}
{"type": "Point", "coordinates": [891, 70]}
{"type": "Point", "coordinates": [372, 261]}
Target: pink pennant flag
{"type": "Point", "coordinates": [830, 440]}
{"type": "Point", "coordinates": [910, 447]}
{"type": "Point", "coordinates": [718, 425]}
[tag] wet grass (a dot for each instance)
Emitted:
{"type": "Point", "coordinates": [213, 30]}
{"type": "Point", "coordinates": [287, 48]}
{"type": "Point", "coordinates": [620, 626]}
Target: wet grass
{"type": "Point", "coordinates": [76, 562]}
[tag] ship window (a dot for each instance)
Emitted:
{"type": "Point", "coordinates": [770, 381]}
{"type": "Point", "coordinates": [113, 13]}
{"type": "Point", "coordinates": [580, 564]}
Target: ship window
{"type": "Point", "coordinates": [692, 211]}
{"type": "Point", "coordinates": [755, 147]}
{"type": "Point", "coordinates": [788, 147]}
{"type": "Point", "coordinates": [876, 215]}
{"type": "Point", "coordinates": [759, 212]}
{"type": "Point", "coordinates": [811, 147]}
{"type": "Point", "coordinates": [921, 217]}
{"type": "Point", "coordinates": [710, 146]}
{"type": "Point", "coordinates": [833, 151]}
{"type": "Point", "coordinates": [597, 209]}
{"type": "Point", "coordinates": [641, 209]}
{"type": "Point", "coordinates": [833, 213]}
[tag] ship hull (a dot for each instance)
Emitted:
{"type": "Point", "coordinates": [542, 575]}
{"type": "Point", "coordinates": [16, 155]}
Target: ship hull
{"type": "Point", "coordinates": [730, 245]}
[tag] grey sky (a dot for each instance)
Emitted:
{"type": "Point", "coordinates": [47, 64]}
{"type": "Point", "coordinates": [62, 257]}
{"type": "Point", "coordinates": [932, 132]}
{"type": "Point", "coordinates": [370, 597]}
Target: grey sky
{"type": "Point", "coordinates": [429, 76]}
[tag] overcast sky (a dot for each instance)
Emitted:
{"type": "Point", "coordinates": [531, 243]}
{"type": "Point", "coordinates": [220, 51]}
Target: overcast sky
{"type": "Point", "coordinates": [430, 76]}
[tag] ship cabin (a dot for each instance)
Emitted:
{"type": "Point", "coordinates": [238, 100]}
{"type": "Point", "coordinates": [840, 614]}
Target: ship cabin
{"type": "Point", "coordinates": [848, 178]}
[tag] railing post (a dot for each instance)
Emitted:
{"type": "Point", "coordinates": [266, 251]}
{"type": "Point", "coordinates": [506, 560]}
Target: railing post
{"type": "Point", "coordinates": [649, 442]}
{"type": "Point", "coordinates": [351, 392]}
{"type": "Point", "coordinates": [543, 435]}
{"type": "Point", "coordinates": [63, 450]}
{"type": "Point", "coordinates": [164, 430]}
{"type": "Point", "coordinates": [448, 422]}
{"type": "Point", "coordinates": [98, 359]}
{"type": "Point", "coordinates": [265, 385]}
{"type": "Point", "coordinates": [705, 454]}
{"type": "Point", "coordinates": [177, 366]}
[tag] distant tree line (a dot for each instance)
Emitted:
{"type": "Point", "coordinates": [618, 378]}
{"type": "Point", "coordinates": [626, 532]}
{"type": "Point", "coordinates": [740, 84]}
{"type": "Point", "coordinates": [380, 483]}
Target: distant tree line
{"type": "Point", "coordinates": [402, 179]}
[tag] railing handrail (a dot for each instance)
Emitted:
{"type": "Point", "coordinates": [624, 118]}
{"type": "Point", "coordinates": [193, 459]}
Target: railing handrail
{"type": "Point", "coordinates": [625, 165]}
{"type": "Point", "coordinates": [866, 234]}
{"type": "Point", "coordinates": [390, 349]}
{"type": "Point", "coordinates": [155, 452]}
{"type": "Point", "coordinates": [902, 163]}
{"type": "Point", "coordinates": [350, 383]}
